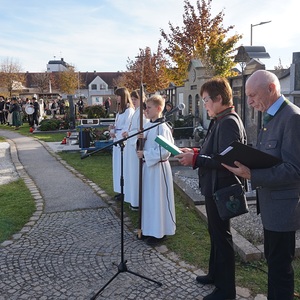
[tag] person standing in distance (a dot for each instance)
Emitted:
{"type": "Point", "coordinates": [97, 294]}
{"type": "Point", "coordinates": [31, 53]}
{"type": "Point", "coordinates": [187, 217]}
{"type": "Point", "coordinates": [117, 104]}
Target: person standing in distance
{"type": "Point", "coordinates": [278, 187]}
{"type": "Point", "coordinates": [107, 105]}
{"type": "Point", "coordinates": [36, 113]}
{"type": "Point", "coordinates": [225, 127]}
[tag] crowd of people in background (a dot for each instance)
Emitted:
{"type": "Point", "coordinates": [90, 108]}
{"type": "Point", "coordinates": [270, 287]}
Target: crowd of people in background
{"type": "Point", "coordinates": [11, 111]}
{"type": "Point", "coordinates": [15, 111]}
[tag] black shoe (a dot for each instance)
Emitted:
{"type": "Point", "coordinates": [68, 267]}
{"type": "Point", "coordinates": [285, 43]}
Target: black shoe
{"type": "Point", "coordinates": [118, 197]}
{"type": "Point", "coordinates": [153, 241]}
{"type": "Point", "coordinates": [134, 208]}
{"type": "Point", "coordinates": [218, 294]}
{"type": "Point", "coordinates": [206, 279]}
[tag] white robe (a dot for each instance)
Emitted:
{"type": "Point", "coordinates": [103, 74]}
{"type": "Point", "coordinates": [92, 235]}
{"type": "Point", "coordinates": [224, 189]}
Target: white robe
{"type": "Point", "coordinates": [121, 125]}
{"type": "Point", "coordinates": [131, 161]}
{"type": "Point", "coordinates": [158, 207]}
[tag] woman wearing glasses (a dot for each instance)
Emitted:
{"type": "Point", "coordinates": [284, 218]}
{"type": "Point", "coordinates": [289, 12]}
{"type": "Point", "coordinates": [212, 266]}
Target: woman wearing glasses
{"type": "Point", "coordinates": [224, 128]}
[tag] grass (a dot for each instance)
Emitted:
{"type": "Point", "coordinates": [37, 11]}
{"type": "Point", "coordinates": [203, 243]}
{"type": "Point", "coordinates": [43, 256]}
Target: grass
{"type": "Point", "coordinates": [44, 136]}
{"type": "Point", "coordinates": [16, 207]}
{"type": "Point", "coordinates": [191, 241]}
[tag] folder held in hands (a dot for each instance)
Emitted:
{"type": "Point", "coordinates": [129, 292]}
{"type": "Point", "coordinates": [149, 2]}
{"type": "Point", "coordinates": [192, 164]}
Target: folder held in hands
{"type": "Point", "coordinates": [246, 155]}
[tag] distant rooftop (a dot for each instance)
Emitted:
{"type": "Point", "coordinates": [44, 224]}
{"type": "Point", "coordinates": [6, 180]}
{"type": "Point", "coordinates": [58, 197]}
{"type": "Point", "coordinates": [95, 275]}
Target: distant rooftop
{"type": "Point", "coordinates": [246, 53]}
{"type": "Point", "coordinates": [58, 62]}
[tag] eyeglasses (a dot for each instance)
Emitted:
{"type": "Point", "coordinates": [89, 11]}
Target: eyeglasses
{"type": "Point", "coordinates": [205, 99]}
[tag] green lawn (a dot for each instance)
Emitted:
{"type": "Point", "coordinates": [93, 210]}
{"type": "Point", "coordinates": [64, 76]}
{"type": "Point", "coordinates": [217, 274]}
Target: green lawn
{"type": "Point", "coordinates": [16, 207]}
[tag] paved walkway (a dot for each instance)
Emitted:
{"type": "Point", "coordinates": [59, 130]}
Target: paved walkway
{"type": "Point", "coordinates": [69, 248]}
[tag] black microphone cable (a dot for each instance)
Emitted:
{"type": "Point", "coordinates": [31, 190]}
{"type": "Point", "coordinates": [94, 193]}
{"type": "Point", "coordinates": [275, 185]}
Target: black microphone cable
{"type": "Point", "coordinates": [166, 184]}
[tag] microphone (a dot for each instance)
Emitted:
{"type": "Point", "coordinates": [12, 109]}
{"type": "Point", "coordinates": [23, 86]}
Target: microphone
{"type": "Point", "coordinates": [180, 106]}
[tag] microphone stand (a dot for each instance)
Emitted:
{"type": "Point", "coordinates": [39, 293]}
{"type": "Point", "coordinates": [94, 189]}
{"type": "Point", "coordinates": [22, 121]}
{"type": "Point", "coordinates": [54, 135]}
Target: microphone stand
{"type": "Point", "coordinates": [122, 267]}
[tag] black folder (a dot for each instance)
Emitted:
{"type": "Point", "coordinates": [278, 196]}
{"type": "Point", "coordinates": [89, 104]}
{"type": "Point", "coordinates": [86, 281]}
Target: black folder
{"type": "Point", "coordinates": [246, 155]}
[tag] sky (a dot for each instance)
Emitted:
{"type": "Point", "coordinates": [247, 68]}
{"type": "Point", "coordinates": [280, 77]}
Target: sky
{"type": "Point", "coordinates": [100, 35]}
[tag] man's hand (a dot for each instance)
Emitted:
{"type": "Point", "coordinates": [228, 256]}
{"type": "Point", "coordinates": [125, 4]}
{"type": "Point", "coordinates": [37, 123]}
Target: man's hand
{"type": "Point", "coordinates": [240, 170]}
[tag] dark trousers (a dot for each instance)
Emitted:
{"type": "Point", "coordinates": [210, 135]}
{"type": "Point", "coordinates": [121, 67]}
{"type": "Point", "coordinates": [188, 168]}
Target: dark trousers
{"type": "Point", "coordinates": [279, 250]}
{"type": "Point", "coordinates": [30, 120]}
{"type": "Point", "coordinates": [2, 117]}
{"type": "Point", "coordinates": [35, 118]}
{"type": "Point", "coordinates": [222, 256]}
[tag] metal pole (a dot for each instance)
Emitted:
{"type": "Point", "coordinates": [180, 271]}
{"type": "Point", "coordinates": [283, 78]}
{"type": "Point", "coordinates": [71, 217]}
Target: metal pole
{"type": "Point", "coordinates": [261, 23]}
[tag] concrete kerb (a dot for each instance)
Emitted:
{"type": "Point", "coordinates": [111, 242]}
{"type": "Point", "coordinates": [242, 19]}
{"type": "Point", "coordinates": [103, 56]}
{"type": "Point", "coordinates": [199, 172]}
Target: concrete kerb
{"type": "Point", "coordinates": [243, 247]}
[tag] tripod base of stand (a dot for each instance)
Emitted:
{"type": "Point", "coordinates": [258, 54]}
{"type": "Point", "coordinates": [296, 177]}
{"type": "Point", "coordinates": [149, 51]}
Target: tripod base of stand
{"type": "Point", "coordinates": [122, 267]}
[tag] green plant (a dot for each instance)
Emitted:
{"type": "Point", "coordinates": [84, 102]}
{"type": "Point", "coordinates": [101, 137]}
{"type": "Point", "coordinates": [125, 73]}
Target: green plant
{"type": "Point", "coordinates": [50, 124]}
{"type": "Point", "coordinates": [183, 127]}
{"type": "Point", "coordinates": [95, 111]}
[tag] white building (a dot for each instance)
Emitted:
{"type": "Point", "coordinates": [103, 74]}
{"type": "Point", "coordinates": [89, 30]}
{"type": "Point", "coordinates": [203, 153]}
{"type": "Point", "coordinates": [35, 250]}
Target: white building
{"type": "Point", "coordinates": [57, 66]}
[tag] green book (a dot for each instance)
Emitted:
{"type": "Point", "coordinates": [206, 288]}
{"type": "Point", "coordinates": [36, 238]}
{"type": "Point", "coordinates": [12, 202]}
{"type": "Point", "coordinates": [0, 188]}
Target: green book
{"type": "Point", "coordinates": [161, 140]}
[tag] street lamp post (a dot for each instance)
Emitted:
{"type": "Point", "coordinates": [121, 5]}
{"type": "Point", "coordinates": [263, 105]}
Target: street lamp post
{"type": "Point", "coordinates": [253, 25]}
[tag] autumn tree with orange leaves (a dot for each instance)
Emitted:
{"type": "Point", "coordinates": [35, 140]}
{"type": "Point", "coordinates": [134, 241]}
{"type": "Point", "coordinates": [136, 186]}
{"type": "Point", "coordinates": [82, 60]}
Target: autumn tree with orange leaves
{"type": "Point", "coordinates": [148, 69]}
{"type": "Point", "coordinates": [202, 37]}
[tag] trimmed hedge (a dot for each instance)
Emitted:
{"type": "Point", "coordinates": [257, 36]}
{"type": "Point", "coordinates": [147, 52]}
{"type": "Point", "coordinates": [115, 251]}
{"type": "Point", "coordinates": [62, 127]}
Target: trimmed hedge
{"type": "Point", "coordinates": [95, 111]}
{"type": "Point", "coordinates": [50, 124]}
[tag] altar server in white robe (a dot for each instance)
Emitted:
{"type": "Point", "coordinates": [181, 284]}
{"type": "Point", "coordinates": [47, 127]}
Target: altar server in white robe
{"type": "Point", "coordinates": [125, 111]}
{"type": "Point", "coordinates": [131, 161]}
{"type": "Point", "coordinates": [158, 208]}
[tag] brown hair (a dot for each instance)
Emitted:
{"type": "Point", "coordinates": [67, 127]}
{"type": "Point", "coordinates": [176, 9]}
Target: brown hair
{"type": "Point", "coordinates": [136, 94]}
{"type": "Point", "coordinates": [218, 86]}
{"type": "Point", "coordinates": [125, 99]}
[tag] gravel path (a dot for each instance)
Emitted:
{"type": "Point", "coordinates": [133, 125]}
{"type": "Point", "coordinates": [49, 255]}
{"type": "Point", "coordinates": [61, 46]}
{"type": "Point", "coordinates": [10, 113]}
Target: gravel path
{"type": "Point", "coordinates": [8, 171]}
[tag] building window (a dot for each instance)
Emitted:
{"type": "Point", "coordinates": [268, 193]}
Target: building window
{"type": "Point", "coordinates": [197, 104]}
{"type": "Point", "coordinates": [190, 103]}
{"type": "Point", "coordinates": [94, 86]}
